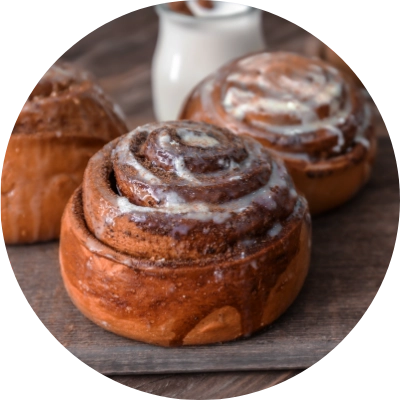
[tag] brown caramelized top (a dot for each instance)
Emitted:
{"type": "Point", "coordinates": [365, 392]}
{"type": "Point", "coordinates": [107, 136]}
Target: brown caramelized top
{"type": "Point", "coordinates": [290, 103]}
{"type": "Point", "coordinates": [195, 189]}
{"type": "Point", "coordinates": [67, 102]}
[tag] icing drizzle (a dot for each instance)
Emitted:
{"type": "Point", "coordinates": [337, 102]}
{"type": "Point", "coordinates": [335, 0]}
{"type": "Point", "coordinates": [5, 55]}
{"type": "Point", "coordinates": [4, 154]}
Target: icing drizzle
{"type": "Point", "coordinates": [179, 179]}
{"type": "Point", "coordinates": [300, 106]}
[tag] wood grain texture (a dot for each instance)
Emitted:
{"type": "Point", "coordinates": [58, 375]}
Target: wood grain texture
{"type": "Point", "coordinates": [206, 386]}
{"type": "Point", "coordinates": [352, 249]}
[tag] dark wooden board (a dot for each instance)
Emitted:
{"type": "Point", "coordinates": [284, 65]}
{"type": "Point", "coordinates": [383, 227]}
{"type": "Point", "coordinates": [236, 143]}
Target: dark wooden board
{"type": "Point", "coordinates": [217, 385]}
{"type": "Point", "coordinates": [352, 247]}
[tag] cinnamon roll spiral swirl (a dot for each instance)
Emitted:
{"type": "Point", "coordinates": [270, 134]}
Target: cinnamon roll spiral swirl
{"type": "Point", "coordinates": [304, 110]}
{"type": "Point", "coordinates": [184, 233]}
{"type": "Point", "coordinates": [65, 120]}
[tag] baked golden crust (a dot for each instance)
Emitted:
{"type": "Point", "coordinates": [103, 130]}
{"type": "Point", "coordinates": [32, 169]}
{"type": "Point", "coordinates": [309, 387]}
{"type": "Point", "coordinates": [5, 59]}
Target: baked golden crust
{"type": "Point", "coordinates": [65, 121]}
{"type": "Point", "coordinates": [158, 245]}
{"type": "Point", "coordinates": [304, 110]}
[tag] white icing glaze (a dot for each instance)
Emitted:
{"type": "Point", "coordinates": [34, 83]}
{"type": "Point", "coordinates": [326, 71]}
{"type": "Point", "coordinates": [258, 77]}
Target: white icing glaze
{"type": "Point", "coordinates": [362, 140]}
{"type": "Point", "coordinates": [109, 220]}
{"type": "Point", "coordinates": [93, 245]}
{"type": "Point", "coordinates": [201, 211]}
{"type": "Point", "coordinates": [182, 229]}
{"type": "Point", "coordinates": [299, 93]}
{"type": "Point", "coordinates": [218, 275]}
{"type": "Point", "coordinates": [164, 139]}
{"type": "Point", "coordinates": [89, 265]}
{"type": "Point", "coordinates": [170, 198]}
{"type": "Point", "coordinates": [293, 192]}
{"type": "Point", "coordinates": [181, 207]}
{"type": "Point", "coordinates": [360, 135]}
{"type": "Point", "coordinates": [124, 157]}
{"type": "Point", "coordinates": [275, 230]}
{"type": "Point", "coordinates": [182, 171]}
{"type": "Point", "coordinates": [240, 102]}
{"type": "Point", "coordinates": [256, 58]}
{"type": "Point", "coordinates": [197, 139]}
{"type": "Point", "coordinates": [339, 134]}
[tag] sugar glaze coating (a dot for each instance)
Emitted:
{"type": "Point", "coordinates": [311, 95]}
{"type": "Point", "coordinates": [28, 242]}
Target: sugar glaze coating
{"type": "Point", "coordinates": [184, 233]}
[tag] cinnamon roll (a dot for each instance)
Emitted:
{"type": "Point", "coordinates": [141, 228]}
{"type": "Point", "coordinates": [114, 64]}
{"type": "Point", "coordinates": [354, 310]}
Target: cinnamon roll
{"type": "Point", "coordinates": [332, 58]}
{"type": "Point", "coordinates": [66, 119]}
{"type": "Point", "coordinates": [304, 111]}
{"type": "Point", "coordinates": [184, 233]}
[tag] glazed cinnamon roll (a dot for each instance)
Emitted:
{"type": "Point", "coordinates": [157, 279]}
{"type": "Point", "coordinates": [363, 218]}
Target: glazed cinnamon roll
{"type": "Point", "coordinates": [184, 233]}
{"type": "Point", "coordinates": [66, 119]}
{"type": "Point", "coordinates": [304, 111]}
{"type": "Point", "coordinates": [332, 58]}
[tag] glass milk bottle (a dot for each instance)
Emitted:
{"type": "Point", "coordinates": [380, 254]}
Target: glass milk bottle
{"type": "Point", "coordinates": [191, 47]}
